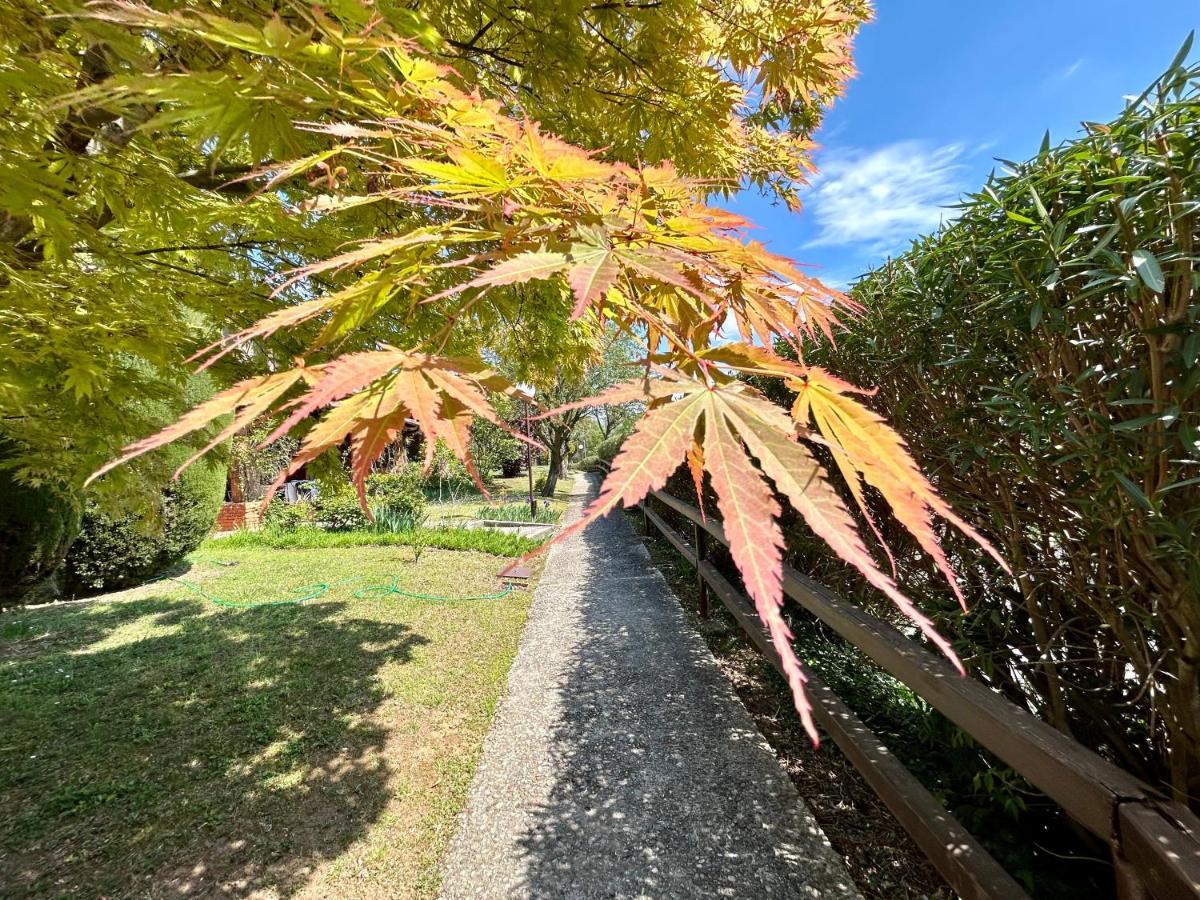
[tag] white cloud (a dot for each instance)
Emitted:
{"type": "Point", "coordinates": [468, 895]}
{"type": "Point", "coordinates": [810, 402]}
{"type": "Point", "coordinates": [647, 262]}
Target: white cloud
{"type": "Point", "coordinates": [1071, 69]}
{"type": "Point", "coordinates": [883, 198]}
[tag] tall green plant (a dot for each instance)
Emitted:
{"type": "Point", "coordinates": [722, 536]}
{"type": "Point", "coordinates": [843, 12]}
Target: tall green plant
{"type": "Point", "coordinates": [1042, 355]}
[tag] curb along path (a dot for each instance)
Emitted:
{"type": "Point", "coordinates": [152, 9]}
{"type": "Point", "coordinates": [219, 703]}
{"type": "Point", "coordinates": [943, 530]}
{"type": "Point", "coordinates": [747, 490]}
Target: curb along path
{"type": "Point", "coordinates": [620, 762]}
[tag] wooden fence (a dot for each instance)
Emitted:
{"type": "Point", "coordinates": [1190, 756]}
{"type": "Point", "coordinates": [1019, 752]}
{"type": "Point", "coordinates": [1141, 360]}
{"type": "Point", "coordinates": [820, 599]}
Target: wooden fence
{"type": "Point", "coordinates": [1155, 842]}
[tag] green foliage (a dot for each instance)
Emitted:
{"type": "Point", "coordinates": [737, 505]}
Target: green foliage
{"type": "Point", "coordinates": [37, 525]}
{"type": "Point", "coordinates": [1042, 354]}
{"type": "Point", "coordinates": [256, 466]}
{"type": "Point", "coordinates": [283, 516]}
{"type": "Point", "coordinates": [338, 511]}
{"type": "Point", "coordinates": [604, 452]}
{"type": "Point", "coordinates": [113, 552]}
{"type": "Point", "coordinates": [547, 513]}
{"type": "Point", "coordinates": [307, 537]}
{"type": "Point", "coordinates": [397, 500]}
{"type": "Point", "coordinates": [496, 452]}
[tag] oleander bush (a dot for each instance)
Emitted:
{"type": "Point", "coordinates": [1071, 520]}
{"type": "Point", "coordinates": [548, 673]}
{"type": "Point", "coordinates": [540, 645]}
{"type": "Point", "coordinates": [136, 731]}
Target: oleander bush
{"type": "Point", "coordinates": [1042, 356]}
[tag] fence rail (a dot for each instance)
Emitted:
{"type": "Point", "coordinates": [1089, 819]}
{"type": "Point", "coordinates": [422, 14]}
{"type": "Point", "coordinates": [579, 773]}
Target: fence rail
{"type": "Point", "coordinates": [1155, 842]}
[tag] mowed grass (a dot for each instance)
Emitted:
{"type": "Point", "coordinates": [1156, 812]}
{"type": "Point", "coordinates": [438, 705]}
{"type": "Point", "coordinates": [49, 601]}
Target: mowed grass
{"type": "Point", "coordinates": [155, 744]}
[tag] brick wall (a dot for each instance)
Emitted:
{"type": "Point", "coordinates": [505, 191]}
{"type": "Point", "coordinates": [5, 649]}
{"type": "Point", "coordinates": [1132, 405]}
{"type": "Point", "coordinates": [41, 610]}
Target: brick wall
{"type": "Point", "coordinates": [231, 516]}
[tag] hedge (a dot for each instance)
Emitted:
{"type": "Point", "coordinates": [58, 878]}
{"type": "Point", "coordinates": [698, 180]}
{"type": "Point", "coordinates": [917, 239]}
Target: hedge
{"type": "Point", "coordinates": [1042, 356]}
{"type": "Point", "coordinates": [113, 552]}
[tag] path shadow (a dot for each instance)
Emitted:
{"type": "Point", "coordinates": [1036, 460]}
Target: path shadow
{"type": "Point", "coordinates": [152, 747]}
{"type": "Point", "coordinates": [661, 788]}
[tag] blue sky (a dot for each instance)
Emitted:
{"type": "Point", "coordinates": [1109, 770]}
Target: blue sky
{"type": "Point", "coordinates": [945, 87]}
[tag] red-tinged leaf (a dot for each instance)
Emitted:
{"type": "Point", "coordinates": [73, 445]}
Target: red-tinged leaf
{"type": "Point", "coordinates": [593, 271]}
{"type": "Point", "coordinates": [339, 379]}
{"type": "Point", "coordinates": [473, 401]}
{"type": "Point", "coordinates": [766, 431]}
{"type": "Point", "coordinates": [645, 390]}
{"type": "Point", "coordinates": [522, 268]}
{"type": "Point", "coordinates": [425, 403]}
{"type": "Point", "coordinates": [246, 400]}
{"type": "Point", "coordinates": [377, 402]}
{"type": "Point", "coordinates": [288, 317]}
{"type": "Point", "coordinates": [752, 359]}
{"type": "Point", "coordinates": [749, 515]}
{"type": "Point", "coordinates": [647, 459]}
{"type": "Point", "coordinates": [653, 264]}
{"type": "Point", "coordinates": [864, 444]}
{"type": "Point", "coordinates": [454, 429]}
{"type": "Point", "coordinates": [367, 441]}
{"type": "Point", "coordinates": [369, 250]}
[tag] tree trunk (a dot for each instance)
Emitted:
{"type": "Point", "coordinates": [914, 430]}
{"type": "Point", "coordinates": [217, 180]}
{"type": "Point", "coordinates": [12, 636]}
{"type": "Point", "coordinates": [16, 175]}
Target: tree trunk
{"type": "Point", "coordinates": [557, 459]}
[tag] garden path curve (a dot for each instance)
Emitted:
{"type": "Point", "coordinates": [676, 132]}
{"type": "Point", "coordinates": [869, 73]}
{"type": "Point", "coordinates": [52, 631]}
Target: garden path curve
{"type": "Point", "coordinates": [620, 762]}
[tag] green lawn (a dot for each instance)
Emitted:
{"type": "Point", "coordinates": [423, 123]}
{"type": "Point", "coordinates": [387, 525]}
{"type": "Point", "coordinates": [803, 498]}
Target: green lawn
{"type": "Point", "coordinates": [153, 743]}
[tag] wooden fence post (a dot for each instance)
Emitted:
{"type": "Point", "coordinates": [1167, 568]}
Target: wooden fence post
{"type": "Point", "coordinates": [700, 542]}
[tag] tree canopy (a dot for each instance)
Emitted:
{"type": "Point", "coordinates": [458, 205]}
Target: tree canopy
{"type": "Point", "coordinates": [427, 217]}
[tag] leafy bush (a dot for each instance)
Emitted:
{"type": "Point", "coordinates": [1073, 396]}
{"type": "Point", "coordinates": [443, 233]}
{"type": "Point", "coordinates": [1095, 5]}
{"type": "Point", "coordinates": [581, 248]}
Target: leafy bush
{"type": "Point", "coordinates": [539, 484]}
{"type": "Point", "coordinates": [37, 525]}
{"type": "Point", "coordinates": [112, 552]}
{"type": "Point", "coordinates": [478, 539]}
{"type": "Point", "coordinates": [285, 516]}
{"type": "Point", "coordinates": [398, 496]}
{"type": "Point", "coordinates": [495, 450]}
{"type": "Point", "coordinates": [1042, 355]}
{"type": "Point", "coordinates": [547, 513]}
{"type": "Point", "coordinates": [339, 511]}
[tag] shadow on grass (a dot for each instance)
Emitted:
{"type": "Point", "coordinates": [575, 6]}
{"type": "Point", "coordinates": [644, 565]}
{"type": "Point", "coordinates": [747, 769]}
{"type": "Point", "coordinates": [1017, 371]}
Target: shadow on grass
{"type": "Point", "coordinates": [161, 747]}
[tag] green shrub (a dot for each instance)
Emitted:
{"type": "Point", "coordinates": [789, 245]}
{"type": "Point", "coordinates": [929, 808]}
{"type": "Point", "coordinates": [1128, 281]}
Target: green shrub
{"type": "Point", "coordinates": [285, 516]}
{"type": "Point", "coordinates": [539, 484]}
{"type": "Point", "coordinates": [1042, 357]}
{"type": "Point", "coordinates": [37, 525]}
{"type": "Point", "coordinates": [304, 538]}
{"type": "Point", "coordinates": [400, 496]}
{"type": "Point", "coordinates": [339, 511]}
{"type": "Point", "coordinates": [113, 552]}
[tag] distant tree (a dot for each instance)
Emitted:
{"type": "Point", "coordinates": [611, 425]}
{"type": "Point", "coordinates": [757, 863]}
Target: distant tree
{"type": "Point", "coordinates": [566, 391]}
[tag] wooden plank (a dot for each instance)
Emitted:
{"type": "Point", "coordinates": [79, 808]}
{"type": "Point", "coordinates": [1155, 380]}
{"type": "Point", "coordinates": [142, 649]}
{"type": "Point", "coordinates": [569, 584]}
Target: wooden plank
{"type": "Point", "coordinates": [1169, 868]}
{"type": "Point", "coordinates": [967, 867]}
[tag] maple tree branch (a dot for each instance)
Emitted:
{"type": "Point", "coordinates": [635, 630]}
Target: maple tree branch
{"type": "Point", "coordinates": [221, 180]}
{"type": "Point", "coordinates": [486, 51]}
{"type": "Point", "coordinates": [182, 248]}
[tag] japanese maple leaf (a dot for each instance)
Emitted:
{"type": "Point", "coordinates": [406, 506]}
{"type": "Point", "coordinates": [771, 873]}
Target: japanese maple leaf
{"type": "Point", "coordinates": [731, 425]}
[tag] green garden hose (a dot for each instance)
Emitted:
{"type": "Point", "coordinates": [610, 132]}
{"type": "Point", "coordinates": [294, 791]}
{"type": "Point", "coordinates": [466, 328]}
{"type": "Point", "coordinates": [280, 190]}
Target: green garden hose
{"type": "Point", "coordinates": [382, 590]}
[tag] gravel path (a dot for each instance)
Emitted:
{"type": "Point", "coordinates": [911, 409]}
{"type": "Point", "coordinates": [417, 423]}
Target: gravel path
{"type": "Point", "coordinates": [620, 763]}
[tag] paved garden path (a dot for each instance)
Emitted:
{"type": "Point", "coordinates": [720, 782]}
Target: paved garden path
{"type": "Point", "coordinates": [620, 763]}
